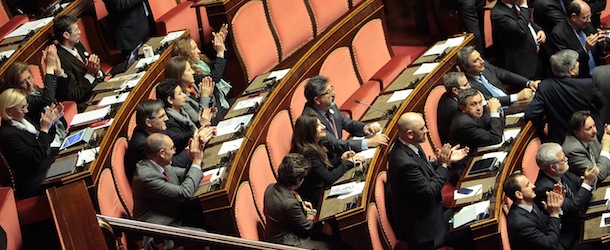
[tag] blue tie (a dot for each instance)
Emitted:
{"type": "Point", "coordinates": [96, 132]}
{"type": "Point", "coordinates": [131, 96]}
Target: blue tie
{"type": "Point", "coordinates": [583, 40]}
{"type": "Point", "coordinates": [488, 86]}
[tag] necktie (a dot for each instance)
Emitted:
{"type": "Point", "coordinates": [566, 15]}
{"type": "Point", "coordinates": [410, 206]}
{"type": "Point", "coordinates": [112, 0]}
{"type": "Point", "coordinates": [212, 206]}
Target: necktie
{"type": "Point", "coordinates": [167, 176]}
{"type": "Point", "coordinates": [517, 10]}
{"type": "Point", "coordinates": [329, 116]}
{"type": "Point", "coordinates": [563, 7]}
{"type": "Point", "coordinates": [492, 90]}
{"type": "Point", "coordinates": [569, 192]}
{"type": "Point", "coordinates": [583, 40]}
{"type": "Point", "coordinates": [423, 157]}
{"type": "Point", "coordinates": [79, 57]}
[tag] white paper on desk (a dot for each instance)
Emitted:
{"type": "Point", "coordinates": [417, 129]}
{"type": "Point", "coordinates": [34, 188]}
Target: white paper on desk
{"type": "Point", "coordinates": [508, 133]}
{"type": "Point", "coordinates": [171, 36]}
{"type": "Point", "coordinates": [607, 195]}
{"type": "Point", "coordinates": [25, 28]}
{"type": "Point", "coordinates": [279, 74]}
{"type": "Point", "coordinates": [232, 125]}
{"type": "Point", "coordinates": [229, 146]}
{"type": "Point", "coordinates": [469, 213]}
{"type": "Point", "coordinates": [455, 41]}
{"type": "Point", "coordinates": [86, 156]}
{"type": "Point", "coordinates": [113, 99]}
{"type": "Point", "coordinates": [90, 116]}
{"type": "Point", "coordinates": [356, 190]}
{"type": "Point", "coordinates": [602, 223]}
{"type": "Point", "coordinates": [499, 155]}
{"type": "Point", "coordinates": [517, 115]}
{"type": "Point", "coordinates": [7, 53]}
{"type": "Point", "coordinates": [367, 154]}
{"type": "Point", "coordinates": [126, 77]}
{"type": "Point", "coordinates": [476, 190]}
{"type": "Point", "coordinates": [400, 95]}
{"type": "Point", "coordinates": [425, 68]}
{"type": "Point", "coordinates": [342, 189]}
{"type": "Point", "coordinates": [248, 103]}
{"type": "Point", "coordinates": [145, 61]}
{"type": "Point", "coordinates": [436, 50]}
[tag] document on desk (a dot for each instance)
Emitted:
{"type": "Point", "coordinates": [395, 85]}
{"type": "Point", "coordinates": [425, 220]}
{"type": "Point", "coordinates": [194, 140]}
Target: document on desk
{"type": "Point", "coordinates": [356, 190]}
{"type": "Point", "coordinates": [605, 221]}
{"type": "Point", "coordinates": [508, 134]}
{"type": "Point", "coordinates": [25, 28]}
{"type": "Point", "coordinates": [90, 116]}
{"type": "Point", "coordinates": [7, 53]}
{"type": "Point", "coordinates": [146, 61]}
{"type": "Point", "coordinates": [212, 175]}
{"type": "Point", "coordinates": [367, 154]}
{"type": "Point", "coordinates": [400, 95]}
{"type": "Point", "coordinates": [470, 213]}
{"type": "Point", "coordinates": [232, 125]}
{"type": "Point", "coordinates": [126, 77]}
{"type": "Point", "coordinates": [229, 146]}
{"type": "Point", "coordinates": [133, 81]}
{"type": "Point", "coordinates": [514, 118]}
{"type": "Point", "coordinates": [248, 103]}
{"type": "Point", "coordinates": [425, 68]}
{"type": "Point", "coordinates": [436, 49]}
{"type": "Point", "coordinates": [342, 189]}
{"type": "Point", "coordinates": [279, 74]}
{"type": "Point", "coordinates": [86, 156]}
{"type": "Point", "coordinates": [476, 190]}
{"type": "Point", "coordinates": [113, 99]}
{"type": "Point", "coordinates": [499, 155]}
{"type": "Point", "coordinates": [172, 36]}
{"type": "Point", "coordinates": [455, 41]}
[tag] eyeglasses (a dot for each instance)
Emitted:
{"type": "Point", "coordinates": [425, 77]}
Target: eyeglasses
{"type": "Point", "coordinates": [564, 160]}
{"type": "Point", "coordinates": [585, 18]}
{"type": "Point", "coordinates": [27, 80]}
{"type": "Point", "coordinates": [22, 109]}
{"type": "Point", "coordinates": [329, 91]}
{"type": "Point", "coordinates": [158, 117]}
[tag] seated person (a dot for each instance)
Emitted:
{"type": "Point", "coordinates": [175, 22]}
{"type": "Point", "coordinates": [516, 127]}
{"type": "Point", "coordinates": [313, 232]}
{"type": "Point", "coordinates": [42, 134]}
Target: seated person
{"type": "Point", "coordinates": [582, 147]}
{"type": "Point", "coordinates": [455, 82]}
{"type": "Point", "coordinates": [466, 129]}
{"type": "Point", "coordinates": [82, 68]}
{"type": "Point", "coordinates": [160, 189]}
{"type": "Point", "coordinates": [554, 170]}
{"type": "Point", "coordinates": [307, 140]}
{"type": "Point", "coordinates": [288, 216]}
{"type": "Point", "coordinates": [26, 144]}
{"type": "Point", "coordinates": [320, 101]}
{"type": "Point", "coordinates": [490, 79]}
{"type": "Point", "coordinates": [180, 123]}
{"type": "Point", "coordinates": [528, 226]}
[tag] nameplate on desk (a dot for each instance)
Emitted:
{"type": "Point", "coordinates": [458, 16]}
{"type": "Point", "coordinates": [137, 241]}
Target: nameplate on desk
{"type": "Point", "coordinates": [232, 125]}
{"type": "Point", "coordinates": [229, 146]}
{"type": "Point", "coordinates": [400, 95]}
{"type": "Point", "coordinates": [425, 68]}
{"type": "Point", "coordinates": [90, 116]}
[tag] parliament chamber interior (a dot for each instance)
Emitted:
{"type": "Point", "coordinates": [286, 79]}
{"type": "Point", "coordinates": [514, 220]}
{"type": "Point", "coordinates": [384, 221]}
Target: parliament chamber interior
{"type": "Point", "coordinates": [382, 59]}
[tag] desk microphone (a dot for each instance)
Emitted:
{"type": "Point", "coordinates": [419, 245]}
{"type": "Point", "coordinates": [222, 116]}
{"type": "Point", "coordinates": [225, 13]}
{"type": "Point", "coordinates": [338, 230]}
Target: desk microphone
{"type": "Point", "coordinates": [375, 108]}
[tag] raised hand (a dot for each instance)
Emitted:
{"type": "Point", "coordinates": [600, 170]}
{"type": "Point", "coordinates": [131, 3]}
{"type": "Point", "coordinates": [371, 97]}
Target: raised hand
{"type": "Point", "coordinates": [219, 44]}
{"type": "Point", "coordinates": [206, 87]}
{"type": "Point", "coordinates": [590, 176]}
{"type": "Point", "coordinates": [457, 153]}
{"type": "Point", "coordinates": [206, 115]}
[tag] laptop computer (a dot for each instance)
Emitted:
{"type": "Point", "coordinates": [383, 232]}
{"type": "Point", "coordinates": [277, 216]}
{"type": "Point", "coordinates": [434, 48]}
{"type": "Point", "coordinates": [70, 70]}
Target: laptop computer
{"type": "Point", "coordinates": [123, 66]}
{"type": "Point", "coordinates": [79, 137]}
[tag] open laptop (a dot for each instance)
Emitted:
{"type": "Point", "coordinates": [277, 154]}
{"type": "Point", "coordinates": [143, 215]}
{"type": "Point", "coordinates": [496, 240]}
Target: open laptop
{"type": "Point", "coordinates": [123, 66]}
{"type": "Point", "coordinates": [82, 136]}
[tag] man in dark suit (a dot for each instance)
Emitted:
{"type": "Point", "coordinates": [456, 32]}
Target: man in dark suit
{"type": "Point", "coordinates": [490, 79]}
{"type": "Point", "coordinates": [467, 130]}
{"type": "Point", "coordinates": [601, 80]}
{"type": "Point", "coordinates": [320, 101]}
{"type": "Point", "coordinates": [519, 36]}
{"type": "Point", "coordinates": [415, 185]}
{"type": "Point", "coordinates": [159, 194]}
{"type": "Point", "coordinates": [583, 148]}
{"type": "Point", "coordinates": [549, 13]}
{"type": "Point", "coordinates": [577, 33]}
{"type": "Point", "coordinates": [559, 97]}
{"type": "Point", "coordinates": [528, 226]}
{"type": "Point", "coordinates": [131, 21]}
{"type": "Point", "coordinates": [455, 82]}
{"type": "Point", "coordinates": [554, 170]}
{"type": "Point", "coordinates": [83, 69]}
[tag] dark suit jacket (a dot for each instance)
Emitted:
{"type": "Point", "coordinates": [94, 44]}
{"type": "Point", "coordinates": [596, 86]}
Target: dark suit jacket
{"type": "Point", "coordinates": [416, 196]}
{"type": "Point", "coordinates": [179, 132]}
{"type": "Point", "coordinates": [511, 30]}
{"type": "Point", "coordinates": [447, 108]}
{"type": "Point", "coordinates": [28, 155]}
{"type": "Point", "coordinates": [579, 159]}
{"type": "Point", "coordinates": [574, 204]}
{"type": "Point", "coordinates": [320, 176]}
{"type": "Point", "coordinates": [77, 88]}
{"type": "Point", "coordinates": [156, 200]}
{"type": "Point", "coordinates": [498, 77]}
{"type": "Point", "coordinates": [549, 13]}
{"type": "Point", "coordinates": [558, 99]}
{"type": "Point", "coordinates": [355, 128]}
{"type": "Point", "coordinates": [601, 79]}
{"type": "Point", "coordinates": [528, 231]}
{"type": "Point", "coordinates": [467, 131]}
{"type": "Point", "coordinates": [563, 37]}
{"type": "Point", "coordinates": [129, 22]}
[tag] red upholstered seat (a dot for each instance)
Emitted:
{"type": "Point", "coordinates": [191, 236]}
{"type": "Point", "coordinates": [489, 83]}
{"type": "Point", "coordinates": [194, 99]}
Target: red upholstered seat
{"type": "Point", "coordinates": [529, 166]}
{"type": "Point", "coordinates": [253, 39]}
{"type": "Point", "coordinates": [108, 199]}
{"type": "Point", "coordinates": [9, 221]}
{"type": "Point", "coordinates": [279, 138]}
{"type": "Point", "coordinates": [131, 126]}
{"type": "Point", "coordinates": [326, 12]}
{"type": "Point", "coordinates": [298, 101]}
{"type": "Point", "coordinates": [70, 110]}
{"type": "Point", "coordinates": [372, 55]}
{"type": "Point", "coordinates": [430, 114]}
{"type": "Point", "coordinates": [8, 23]}
{"type": "Point", "coordinates": [249, 223]}
{"type": "Point", "coordinates": [380, 199]}
{"type": "Point", "coordinates": [100, 9]}
{"type": "Point", "coordinates": [123, 184]}
{"type": "Point", "coordinates": [367, 93]}
{"type": "Point", "coordinates": [374, 227]}
{"type": "Point", "coordinates": [339, 70]}
{"type": "Point", "coordinates": [504, 231]}
{"type": "Point", "coordinates": [260, 175]}
{"type": "Point", "coordinates": [292, 24]}
{"type": "Point", "coordinates": [37, 74]}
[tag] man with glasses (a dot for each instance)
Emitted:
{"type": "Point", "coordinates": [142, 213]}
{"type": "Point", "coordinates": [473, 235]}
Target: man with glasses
{"type": "Point", "coordinates": [577, 33]}
{"type": "Point", "coordinates": [554, 171]}
{"type": "Point", "coordinates": [455, 82]}
{"type": "Point", "coordinates": [583, 148]}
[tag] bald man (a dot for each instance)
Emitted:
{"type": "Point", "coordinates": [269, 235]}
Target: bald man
{"type": "Point", "coordinates": [416, 184]}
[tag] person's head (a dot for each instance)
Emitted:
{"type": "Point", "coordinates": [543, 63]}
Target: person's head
{"type": "Point", "coordinates": [178, 67]}
{"type": "Point", "coordinates": [18, 76]}
{"type": "Point", "coordinates": [579, 14]}
{"type": "Point", "coordinates": [319, 93]}
{"type": "Point", "coordinates": [519, 189]}
{"type": "Point", "coordinates": [13, 105]}
{"type": "Point", "coordinates": [66, 30]}
{"type": "Point", "coordinates": [455, 82]}
{"type": "Point", "coordinates": [159, 148]}
{"type": "Point", "coordinates": [151, 116]}
{"type": "Point", "coordinates": [293, 170]}
{"type": "Point", "coordinates": [471, 103]}
{"type": "Point", "coordinates": [470, 60]}
{"type": "Point", "coordinates": [171, 93]}
{"type": "Point", "coordinates": [551, 159]}
{"type": "Point", "coordinates": [308, 129]}
{"type": "Point", "coordinates": [582, 126]}
{"type": "Point", "coordinates": [412, 128]}
{"type": "Point", "coordinates": [565, 63]}
{"type": "Point", "coordinates": [187, 47]}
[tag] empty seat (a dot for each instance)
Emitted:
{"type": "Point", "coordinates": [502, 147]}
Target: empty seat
{"type": "Point", "coordinates": [279, 138]}
{"type": "Point", "coordinates": [367, 93]}
{"type": "Point", "coordinates": [529, 166]}
{"type": "Point", "coordinates": [339, 70]}
{"type": "Point", "coordinates": [372, 55]}
{"type": "Point", "coordinates": [170, 16]}
{"type": "Point", "coordinates": [292, 24]}
{"type": "Point", "coordinates": [430, 114]}
{"type": "Point", "coordinates": [9, 220]}
{"type": "Point", "coordinates": [298, 101]}
{"type": "Point", "coordinates": [253, 39]}
{"type": "Point", "coordinates": [123, 184]}
{"type": "Point", "coordinates": [326, 12]}
{"type": "Point", "coordinates": [249, 223]}
{"type": "Point", "coordinates": [108, 199]}
{"type": "Point", "coordinates": [260, 175]}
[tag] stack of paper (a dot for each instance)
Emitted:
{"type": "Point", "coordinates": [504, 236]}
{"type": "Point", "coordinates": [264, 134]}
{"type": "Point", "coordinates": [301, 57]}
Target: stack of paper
{"type": "Point", "coordinates": [400, 95]}
{"type": "Point", "coordinates": [425, 68]}
{"type": "Point", "coordinates": [146, 61]}
{"type": "Point", "coordinates": [470, 213]}
{"type": "Point", "coordinates": [90, 116]}
{"type": "Point", "coordinates": [86, 156]}
{"type": "Point", "coordinates": [230, 146]}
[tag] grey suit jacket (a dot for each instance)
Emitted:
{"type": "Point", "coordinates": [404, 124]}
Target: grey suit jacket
{"type": "Point", "coordinates": [287, 222]}
{"type": "Point", "coordinates": [156, 199]}
{"type": "Point", "coordinates": [579, 159]}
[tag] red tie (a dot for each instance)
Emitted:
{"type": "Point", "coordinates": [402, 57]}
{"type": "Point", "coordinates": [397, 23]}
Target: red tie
{"type": "Point", "coordinates": [518, 11]}
{"type": "Point", "coordinates": [167, 176]}
{"type": "Point", "coordinates": [329, 116]}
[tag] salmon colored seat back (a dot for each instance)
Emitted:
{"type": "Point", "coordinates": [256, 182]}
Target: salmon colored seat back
{"type": "Point", "coordinates": [291, 23]}
{"type": "Point", "coordinates": [279, 138]}
{"type": "Point", "coordinates": [298, 101]}
{"type": "Point", "coordinates": [9, 219]}
{"type": "Point", "coordinates": [339, 70]}
{"type": "Point", "coordinates": [370, 49]}
{"type": "Point", "coordinates": [108, 199]}
{"type": "Point", "coordinates": [249, 223]}
{"type": "Point", "coordinates": [430, 114]}
{"type": "Point", "coordinates": [260, 176]}
{"type": "Point", "coordinates": [380, 199]}
{"type": "Point", "coordinates": [123, 184]}
{"type": "Point", "coordinates": [529, 166]}
{"type": "Point", "coordinates": [326, 12]}
{"type": "Point", "coordinates": [374, 227]}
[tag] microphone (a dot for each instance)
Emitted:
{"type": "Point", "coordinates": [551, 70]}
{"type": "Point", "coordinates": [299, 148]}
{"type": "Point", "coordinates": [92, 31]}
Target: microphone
{"type": "Point", "coordinates": [385, 112]}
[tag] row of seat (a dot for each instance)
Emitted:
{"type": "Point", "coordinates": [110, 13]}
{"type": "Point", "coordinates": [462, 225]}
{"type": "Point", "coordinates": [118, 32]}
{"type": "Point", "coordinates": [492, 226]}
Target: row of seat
{"type": "Point", "coordinates": [8, 22]}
